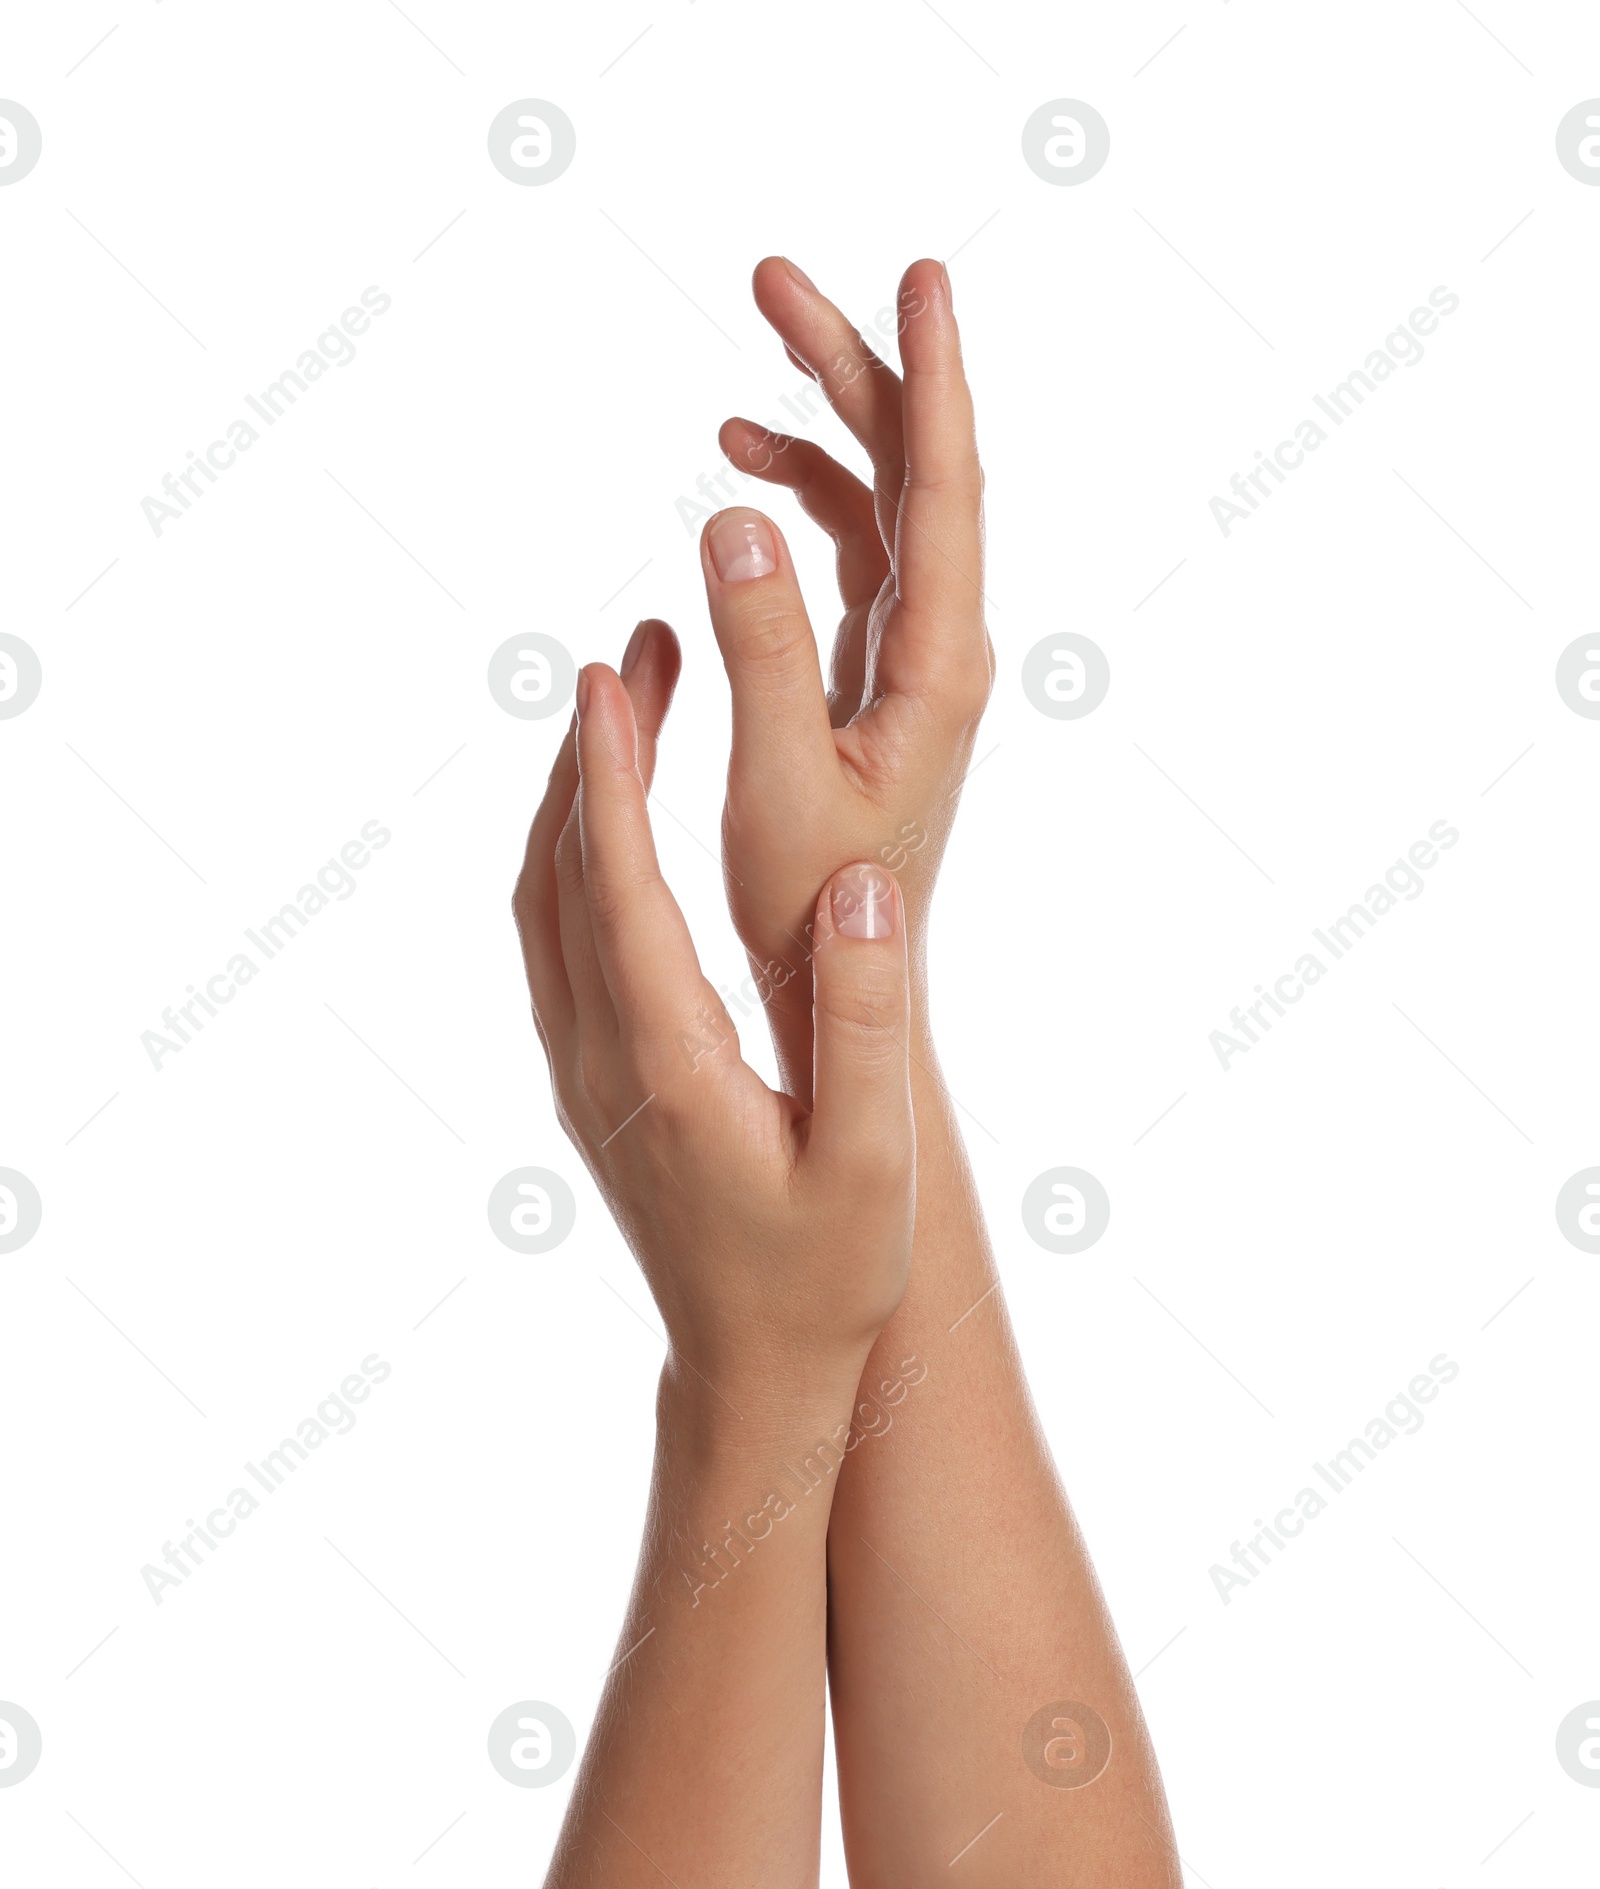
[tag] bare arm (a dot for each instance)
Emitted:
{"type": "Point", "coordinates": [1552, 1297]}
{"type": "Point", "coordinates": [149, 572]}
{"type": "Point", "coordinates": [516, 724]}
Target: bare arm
{"type": "Point", "coordinates": [980, 1696]}
{"type": "Point", "coordinates": [775, 1238]}
{"type": "Point", "coordinates": [976, 1677]}
{"type": "Point", "coordinates": [704, 1766]}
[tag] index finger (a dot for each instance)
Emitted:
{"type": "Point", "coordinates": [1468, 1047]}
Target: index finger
{"type": "Point", "coordinates": [862, 389]}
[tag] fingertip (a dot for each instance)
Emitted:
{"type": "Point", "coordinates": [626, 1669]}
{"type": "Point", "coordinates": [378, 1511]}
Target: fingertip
{"type": "Point", "coordinates": [666, 650]}
{"type": "Point", "coordinates": [782, 293]}
{"type": "Point", "coordinates": [738, 437]}
{"type": "Point", "coordinates": [861, 1091]}
{"type": "Point", "coordinates": [778, 272]}
{"type": "Point", "coordinates": [771, 284]}
{"type": "Point", "coordinates": [925, 291]}
{"type": "Point", "coordinates": [928, 274]}
{"type": "Point", "coordinates": [740, 544]}
{"type": "Point", "coordinates": [787, 298]}
{"type": "Point", "coordinates": [635, 648]}
{"type": "Point", "coordinates": [601, 698]}
{"type": "Point", "coordinates": [861, 901]}
{"type": "Point", "coordinates": [755, 449]}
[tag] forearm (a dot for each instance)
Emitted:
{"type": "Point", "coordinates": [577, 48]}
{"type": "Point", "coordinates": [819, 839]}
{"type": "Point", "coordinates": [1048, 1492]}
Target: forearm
{"type": "Point", "coordinates": [964, 1601]}
{"type": "Point", "coordinates": [705, 1762]}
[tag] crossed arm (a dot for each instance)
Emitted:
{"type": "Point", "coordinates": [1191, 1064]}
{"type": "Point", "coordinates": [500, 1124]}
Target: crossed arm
{"type": "Point", "coordinates": [818, 1253]}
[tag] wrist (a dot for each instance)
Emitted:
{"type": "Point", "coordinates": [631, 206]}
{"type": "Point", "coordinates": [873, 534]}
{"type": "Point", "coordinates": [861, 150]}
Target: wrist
{"type": "Point", "coordinates": [739, 1486]}
{"type": "Point", "coordinates": [747, 1416]}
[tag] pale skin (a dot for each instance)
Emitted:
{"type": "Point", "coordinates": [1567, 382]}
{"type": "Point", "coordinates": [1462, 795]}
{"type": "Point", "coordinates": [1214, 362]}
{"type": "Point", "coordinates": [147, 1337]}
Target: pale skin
{"type": "Point", "coordinates": [839, 1342]}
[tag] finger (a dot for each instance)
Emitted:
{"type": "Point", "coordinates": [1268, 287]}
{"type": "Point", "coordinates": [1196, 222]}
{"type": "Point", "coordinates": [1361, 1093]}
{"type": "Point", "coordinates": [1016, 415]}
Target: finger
{"type": "Point", "coordinates": [594, 1014]}
{"type": "Point", "coordinates": [861, 388]}
{"type": "Point", "coordinates": [829, 494]}
{"type": "Point", "coordinates": [650, 665]}
{"type": "Point", "coordinates": [938, 643]}
{"type": "Point", "coordinates": [780, 712]}
{"type": "Point", "coordinates": [861, 1082]}
{"type": "Point", "coordinates": [534, 901]}
{"type": "Point", "coordinates": [836, 499]}
{"type": "Point", "coordinates": [641, 943]}
{"type": "Point", "coordinates": [649, 669]}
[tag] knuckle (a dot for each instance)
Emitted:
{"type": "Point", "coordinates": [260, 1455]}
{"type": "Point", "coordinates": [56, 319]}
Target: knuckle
{"type": "Point", "coordinates": [959, 482]}
{"type": "Point", "coordinates": [528, 909]}
{"type": "Point", "coordinates": [593, 1093]}
{"type": "Point", "coordinates": [698, 1039]}
{"type": "Point", "coordinates": [967, 684]}
{"type": "Point", "coordinates": [614, 895]}
{"type": "Point", "coordinates": [771, 639]}
{"type": "Point", "coordinates": [870, 1012]}
{"type": "Point", "coordinates": [545, 1025]}
{"type": "Point", "coordinates": [524, 903]}
{"type": "Point", "coordinates": [970, 699]}
{"type": "Point", "coordinates": [530, 895]}
{"type": "Point", "coordinates": [569, 859]}
{"type": "Point", "coordinates": [570, 1095]}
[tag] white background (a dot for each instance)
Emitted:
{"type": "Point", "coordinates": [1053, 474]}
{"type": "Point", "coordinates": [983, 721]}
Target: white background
{"type": "Point", "coordinates": [230, 702]}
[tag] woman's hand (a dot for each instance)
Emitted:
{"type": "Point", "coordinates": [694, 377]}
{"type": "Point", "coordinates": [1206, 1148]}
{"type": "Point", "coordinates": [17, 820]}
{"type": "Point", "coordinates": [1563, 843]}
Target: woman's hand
{"type": "Point", "coordinates": [768, 1233]}
{"type": "Point", "coordinates": [872, 768]}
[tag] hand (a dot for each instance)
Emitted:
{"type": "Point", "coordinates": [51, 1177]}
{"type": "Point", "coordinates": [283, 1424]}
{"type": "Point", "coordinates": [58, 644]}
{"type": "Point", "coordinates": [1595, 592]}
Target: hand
{"type": "Point", "coordinates": [768, 1233]}
{"type": "Point", "coordinates": [873, 768]}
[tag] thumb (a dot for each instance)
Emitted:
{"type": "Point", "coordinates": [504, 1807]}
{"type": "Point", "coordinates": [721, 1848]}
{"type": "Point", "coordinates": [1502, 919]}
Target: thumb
{"type": "Point", "coordinates": [780, 708]}
{"type": "Point", "coordinates": [861, 1084]}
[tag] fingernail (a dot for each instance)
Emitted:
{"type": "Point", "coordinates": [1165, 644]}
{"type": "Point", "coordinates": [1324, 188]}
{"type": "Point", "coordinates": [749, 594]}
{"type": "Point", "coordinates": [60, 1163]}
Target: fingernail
{"type": "Point", "coordinates": [742, 547]}
{"type": "Point", "coordinates": [583, 692]}
{"type": "Point", "coordinates": [863, 903]}
{"type": "Point", "coordinates": [949, 298]}
{"type": "Point", "coordinates": [635, 648]}
{"type": "Point", "coordinates": [800, 276]}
